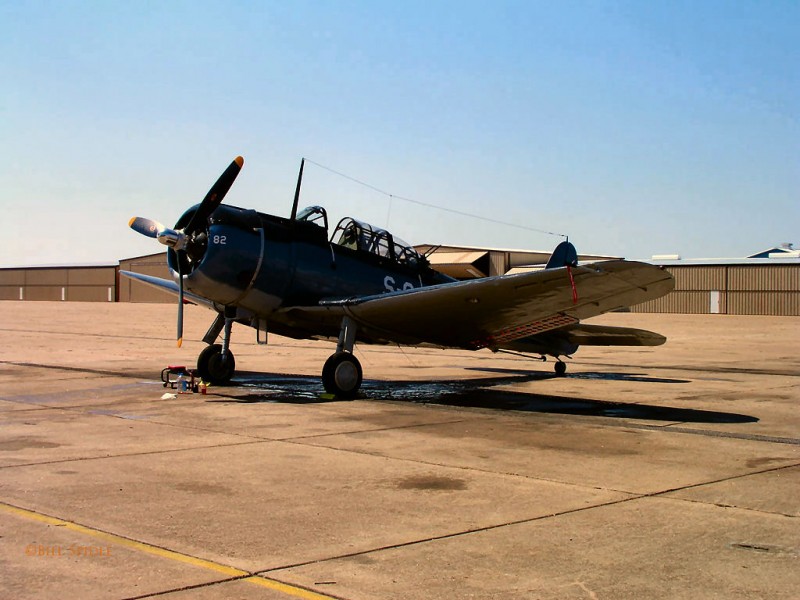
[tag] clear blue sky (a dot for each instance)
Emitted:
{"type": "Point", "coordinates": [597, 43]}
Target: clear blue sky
{"type": "Point", "coordinates": [638, 128]}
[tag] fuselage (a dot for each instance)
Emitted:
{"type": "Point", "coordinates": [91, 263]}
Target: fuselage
{"type": "Point", "coordinates": [264, 263]}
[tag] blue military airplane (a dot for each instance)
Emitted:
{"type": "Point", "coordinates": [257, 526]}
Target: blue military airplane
{"type": "Point", "coordinates": [362, 284]}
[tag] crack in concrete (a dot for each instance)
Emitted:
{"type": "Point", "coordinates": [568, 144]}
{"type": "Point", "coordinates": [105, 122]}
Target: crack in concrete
{"type": "Point", "coordinates": [524, 521]}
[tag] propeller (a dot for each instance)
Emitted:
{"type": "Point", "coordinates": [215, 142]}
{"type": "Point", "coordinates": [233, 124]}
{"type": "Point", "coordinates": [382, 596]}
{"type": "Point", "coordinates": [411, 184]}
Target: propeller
{"type": "Point", "coordinates": [179, 239]}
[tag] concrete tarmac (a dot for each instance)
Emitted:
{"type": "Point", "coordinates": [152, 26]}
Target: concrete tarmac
{"type": "Point", "coordinates": [670, 472]}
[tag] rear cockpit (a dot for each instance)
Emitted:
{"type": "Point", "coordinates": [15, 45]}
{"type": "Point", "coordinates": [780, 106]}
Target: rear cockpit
{"type": "Point", "coordinates": [365, 238]}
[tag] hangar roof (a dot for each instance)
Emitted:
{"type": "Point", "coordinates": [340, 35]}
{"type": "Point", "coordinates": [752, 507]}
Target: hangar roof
{"type": "Point", "coordinates": [784, 249]}
{"type": "Point", "coordinates": [517, 258]}
{"type": "Point", "coordinates": [98, 265]}
{"type": "Point", "coordinates": [708, 262]}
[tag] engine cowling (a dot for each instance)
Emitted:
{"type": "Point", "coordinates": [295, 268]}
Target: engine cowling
{"type": "Point", "coordinates": [223, 258]}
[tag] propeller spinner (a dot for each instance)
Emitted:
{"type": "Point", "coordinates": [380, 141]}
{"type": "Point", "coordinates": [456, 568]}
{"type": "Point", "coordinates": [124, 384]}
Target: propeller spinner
{"type": "Point", "coordinates": [180, 239]}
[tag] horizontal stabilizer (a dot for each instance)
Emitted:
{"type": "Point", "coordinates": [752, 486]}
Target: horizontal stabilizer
{"type": "Point", "coordinates": [606, 335]}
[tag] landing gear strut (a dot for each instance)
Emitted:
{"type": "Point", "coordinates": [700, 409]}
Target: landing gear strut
{"type": "Point", "coordinates": [342, 372]}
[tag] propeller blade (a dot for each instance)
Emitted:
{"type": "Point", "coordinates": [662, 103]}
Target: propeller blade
{"type": "Point", "coordinates": [180, 304]}
{"type": "Point", "coordinates": [214, 196]}
{"type": "Point", "coordinates": [147, 227]}
{"type": "Point", "coordinates": [153, 229]}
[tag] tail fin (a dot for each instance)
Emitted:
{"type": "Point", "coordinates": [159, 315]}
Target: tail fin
{"type": "Point", "coordinates": [564, 255]}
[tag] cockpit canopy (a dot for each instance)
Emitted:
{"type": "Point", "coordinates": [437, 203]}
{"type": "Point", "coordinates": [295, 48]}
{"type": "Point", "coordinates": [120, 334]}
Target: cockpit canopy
{"type": "Point", "coordinates": [315, 215]}
{"type": "Point", "coordinates": [364, 237]}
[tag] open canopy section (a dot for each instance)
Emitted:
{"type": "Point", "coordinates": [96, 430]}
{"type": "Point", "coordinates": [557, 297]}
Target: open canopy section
{"type": "Point", "coordinates": [369, 239]}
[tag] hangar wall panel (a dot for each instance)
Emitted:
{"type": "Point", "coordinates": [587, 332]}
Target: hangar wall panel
{"type": "Point", "coordinates": [102, 276]}
{"type": "Point", "coordinates": [777, 278]}
{"type": "Point", "coordinates": [136, 291]}
{"type": "Point", "coordinates": [35, 277]}
{"type": "Point", "coordinates": [498, 264]}
{"type": "Point", "coordinates": [9, 292]}
{"type": "Point", "coordinates": [764, 303]}
{"type": "Point", "coordinates": [12, 277]}
{"type": "Point", "coordinates": [90, 293]}
{"type": "Point", "coordinates": [154, 270]}
{"type": "Point", "coordinates": [680, 301]}
{"type": "Point", "coordinates": [51, 293]}
{"type": "Point", "coordinates": [90, 284]}
{"type": "Point", "coordinates": [698, 278]}
{"type": "Point", "coordinates": [159, 259]}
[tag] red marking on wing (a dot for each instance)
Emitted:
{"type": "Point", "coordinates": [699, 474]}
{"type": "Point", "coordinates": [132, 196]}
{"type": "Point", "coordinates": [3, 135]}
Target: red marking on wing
{"type": "Point", "coordinates": [525, 330]}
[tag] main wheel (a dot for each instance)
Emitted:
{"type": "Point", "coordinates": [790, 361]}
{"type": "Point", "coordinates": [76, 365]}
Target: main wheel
{"type": "Point", "coordinates": [342, 375]}
{"type": "Point", "coordinates": [213, 368]}
{"type": "Point", "coordinates": [560, 368]}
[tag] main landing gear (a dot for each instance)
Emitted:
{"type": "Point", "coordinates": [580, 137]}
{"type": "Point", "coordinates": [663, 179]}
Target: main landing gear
{"type": "Point", "coordinates": [560, 368]}
{"type": "Point", "coordinates": [216, 363]}
{"type": "Point", "coordinates": [215, 368]}
{"type": "Point", "coordinates": [342, 374]}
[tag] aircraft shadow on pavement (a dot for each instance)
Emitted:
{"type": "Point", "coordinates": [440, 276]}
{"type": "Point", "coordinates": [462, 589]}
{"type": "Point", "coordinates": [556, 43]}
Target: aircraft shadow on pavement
{"type": "Point", "coordinates": [470, 393]}
{"type": "Point", "coordinates": [589, 375]}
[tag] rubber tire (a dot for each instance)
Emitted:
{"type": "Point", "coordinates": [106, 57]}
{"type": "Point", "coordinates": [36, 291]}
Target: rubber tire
{"type": "Point", "coordinates": [212, 369]}
{"type": "Point", "coordinates": [342, 375]}
{"type": "Point", "coordinates": [560, 368]}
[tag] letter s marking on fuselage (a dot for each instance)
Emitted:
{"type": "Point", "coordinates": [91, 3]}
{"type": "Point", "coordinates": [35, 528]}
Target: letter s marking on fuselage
{"type": "Point", "coordinates": [391, 286]}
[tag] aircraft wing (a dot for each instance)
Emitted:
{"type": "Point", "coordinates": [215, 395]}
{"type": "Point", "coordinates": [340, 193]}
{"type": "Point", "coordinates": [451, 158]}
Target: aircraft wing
{"type": "Point", "coordinates": [495, 311]}
{"type": "Point", "coordinates": [168, 286]}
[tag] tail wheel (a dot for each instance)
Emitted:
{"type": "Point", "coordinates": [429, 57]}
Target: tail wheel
{"type": "Point", "coordinates": [213, 368]}
{"type": "Point", "coordinates": [342, 375]}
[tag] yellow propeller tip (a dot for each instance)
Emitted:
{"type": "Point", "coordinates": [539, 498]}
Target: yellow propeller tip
{"type": "Point", "coordinates": [239, 161]}
{"type": "Point", "coordinates": [180, 341]}
{"type": "Point", "coordinates": [130, 223]}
